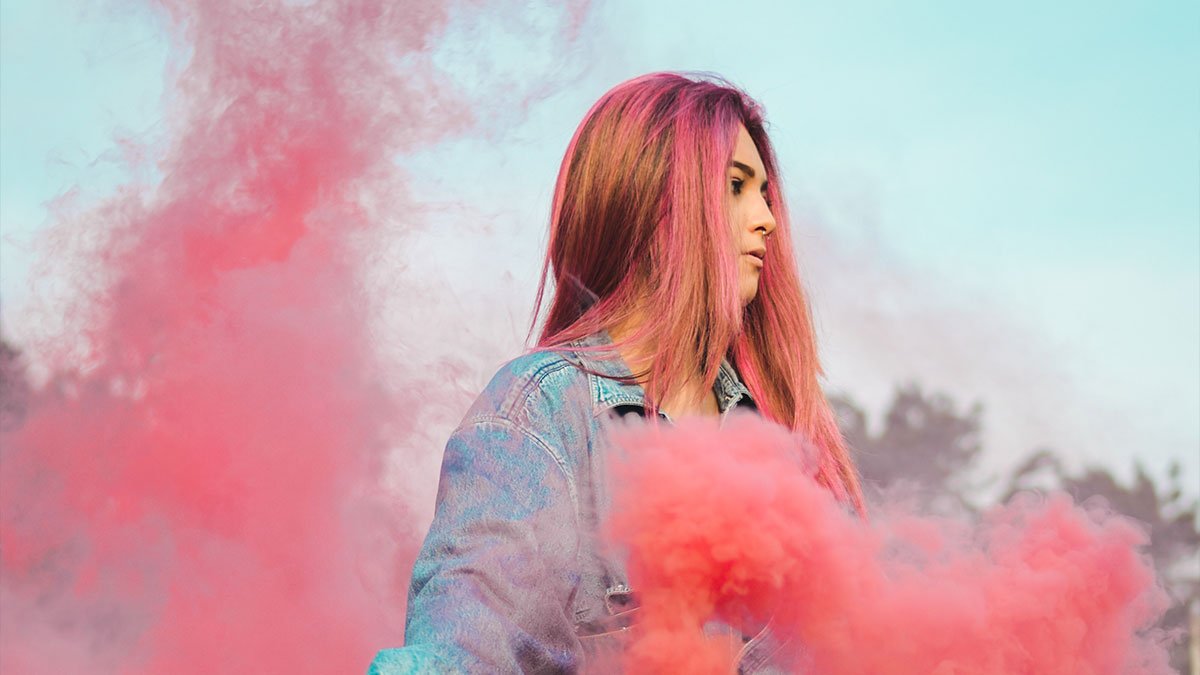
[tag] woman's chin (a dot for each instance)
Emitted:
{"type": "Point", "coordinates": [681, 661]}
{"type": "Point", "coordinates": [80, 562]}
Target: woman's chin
{"type": "Point", "coordinates": [749, 294]}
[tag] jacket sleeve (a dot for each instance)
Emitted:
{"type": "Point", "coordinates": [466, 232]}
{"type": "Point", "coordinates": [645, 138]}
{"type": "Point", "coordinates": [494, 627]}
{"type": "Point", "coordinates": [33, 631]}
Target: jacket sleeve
{"type": "Point", "coordinates": [492, 587]}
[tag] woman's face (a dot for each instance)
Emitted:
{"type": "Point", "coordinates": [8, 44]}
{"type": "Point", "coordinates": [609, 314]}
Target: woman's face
{"type": "Point", "coordinates": [750, 214]}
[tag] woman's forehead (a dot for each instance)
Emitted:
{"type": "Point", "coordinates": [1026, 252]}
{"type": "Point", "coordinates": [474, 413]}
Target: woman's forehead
{"type": "Point", "coordinates": [746, 153]}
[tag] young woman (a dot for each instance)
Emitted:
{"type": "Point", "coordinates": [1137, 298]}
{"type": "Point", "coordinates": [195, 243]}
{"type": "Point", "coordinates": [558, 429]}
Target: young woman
{"type": "Point", "coordinates": [675, 294]}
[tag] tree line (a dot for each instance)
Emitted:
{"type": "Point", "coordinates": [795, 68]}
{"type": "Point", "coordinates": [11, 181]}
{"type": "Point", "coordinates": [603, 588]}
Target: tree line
{"type": "Point", "coordinates": [927, 449]}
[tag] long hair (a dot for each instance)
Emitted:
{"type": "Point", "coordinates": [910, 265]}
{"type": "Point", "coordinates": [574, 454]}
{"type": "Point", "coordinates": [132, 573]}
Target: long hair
{"type": "Point", "coordinates": [639, 229]}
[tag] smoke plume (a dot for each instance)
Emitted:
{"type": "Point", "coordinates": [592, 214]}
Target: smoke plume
{"type": "Point", "coordinates": [196, 488]}
{"type": "Point", "coordinates": [727, 524]}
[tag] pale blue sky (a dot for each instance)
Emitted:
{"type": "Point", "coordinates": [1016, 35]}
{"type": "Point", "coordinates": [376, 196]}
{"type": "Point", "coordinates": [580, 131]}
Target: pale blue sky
{"type": "Point", "coordinates": [1004, 198]}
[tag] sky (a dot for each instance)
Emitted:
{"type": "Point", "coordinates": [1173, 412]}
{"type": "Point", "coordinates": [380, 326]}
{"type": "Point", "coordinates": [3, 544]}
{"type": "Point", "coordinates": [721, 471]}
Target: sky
{"type": "Point", "coordinates": [1001, 202]}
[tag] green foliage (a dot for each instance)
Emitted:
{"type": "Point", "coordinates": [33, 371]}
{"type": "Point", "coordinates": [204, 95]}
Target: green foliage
{"type": "Point", "coordinates": [14, 387]}
{"type": "Point", "coordinates": [928, 448]}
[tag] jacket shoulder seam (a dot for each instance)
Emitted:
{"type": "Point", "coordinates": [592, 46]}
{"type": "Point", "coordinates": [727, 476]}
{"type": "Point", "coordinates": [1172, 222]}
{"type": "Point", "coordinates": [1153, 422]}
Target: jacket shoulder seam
{"type": "Point", "coordinates": [532, 382]}
{"type": "Point", "coordinates": [500, 420]}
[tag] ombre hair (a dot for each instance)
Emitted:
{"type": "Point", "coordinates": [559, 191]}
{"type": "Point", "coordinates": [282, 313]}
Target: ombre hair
{"type": "Point", "coordinates": [639, 227]}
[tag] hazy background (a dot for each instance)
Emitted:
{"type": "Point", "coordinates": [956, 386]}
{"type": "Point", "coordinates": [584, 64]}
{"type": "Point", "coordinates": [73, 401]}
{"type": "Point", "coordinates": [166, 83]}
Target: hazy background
{"type": "Point", "coordinates": [1001, 203]}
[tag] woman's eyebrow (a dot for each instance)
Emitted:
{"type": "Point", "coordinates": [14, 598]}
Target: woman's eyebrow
{"type": "Point", "coordinates": [744, 167]}
{"type": "Point", "coordinates": [738, 165]}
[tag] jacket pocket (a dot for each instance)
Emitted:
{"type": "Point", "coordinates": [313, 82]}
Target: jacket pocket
{"type": "Point", "coordinates": [605, 638]}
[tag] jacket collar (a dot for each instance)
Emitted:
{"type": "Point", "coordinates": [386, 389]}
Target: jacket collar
{"type": "Point", "coordinates": [608, 393]}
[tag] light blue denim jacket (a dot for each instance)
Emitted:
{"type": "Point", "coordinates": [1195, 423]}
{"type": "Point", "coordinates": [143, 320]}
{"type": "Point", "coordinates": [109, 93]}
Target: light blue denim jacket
{"type": "Point", "coordinates": [512, 577]}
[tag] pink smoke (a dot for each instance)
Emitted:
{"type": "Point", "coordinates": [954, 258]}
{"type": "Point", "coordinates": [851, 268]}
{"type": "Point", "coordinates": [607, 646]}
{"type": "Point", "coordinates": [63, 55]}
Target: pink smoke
{"type": "Point", "coordinates": [727, 523]}
{"type": "Point", "coordinates": [204, 495]}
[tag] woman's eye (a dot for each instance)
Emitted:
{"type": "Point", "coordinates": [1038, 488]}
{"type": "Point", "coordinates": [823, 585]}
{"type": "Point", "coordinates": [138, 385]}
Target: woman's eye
{"type": "Point", "coordinates": [737, 186]}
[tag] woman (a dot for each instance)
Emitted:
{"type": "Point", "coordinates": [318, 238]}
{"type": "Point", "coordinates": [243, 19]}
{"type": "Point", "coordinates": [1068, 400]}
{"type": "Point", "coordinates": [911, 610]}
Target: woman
{"type": "Point", "coordinates": [676, 294]}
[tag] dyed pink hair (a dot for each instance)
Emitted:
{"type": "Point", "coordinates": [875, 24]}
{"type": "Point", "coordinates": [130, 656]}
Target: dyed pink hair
{"type": "Point", "coordinates": [639, 224]}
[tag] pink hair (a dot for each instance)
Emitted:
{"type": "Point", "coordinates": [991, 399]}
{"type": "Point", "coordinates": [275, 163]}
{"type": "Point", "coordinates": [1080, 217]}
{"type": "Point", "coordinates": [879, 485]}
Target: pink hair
{"type": "Point", "coordinates": [639, 223]}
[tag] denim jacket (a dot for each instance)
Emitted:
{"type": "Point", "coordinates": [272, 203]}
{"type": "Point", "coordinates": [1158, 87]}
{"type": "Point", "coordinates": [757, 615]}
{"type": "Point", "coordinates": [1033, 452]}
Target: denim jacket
{"type": "Point", "coordinates": [512, 576]}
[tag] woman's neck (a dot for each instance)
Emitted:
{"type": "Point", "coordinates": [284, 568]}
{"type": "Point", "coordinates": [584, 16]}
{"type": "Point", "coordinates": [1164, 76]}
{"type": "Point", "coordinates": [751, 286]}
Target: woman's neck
{"type": "Point", "coordinates": [684, 399]}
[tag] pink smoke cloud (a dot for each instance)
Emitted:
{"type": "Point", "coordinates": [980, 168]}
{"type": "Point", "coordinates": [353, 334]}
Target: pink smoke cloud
{"type": "Point", "coordinates": [728, 524]}
{"type": "Point", "coordinates": [203, 495]}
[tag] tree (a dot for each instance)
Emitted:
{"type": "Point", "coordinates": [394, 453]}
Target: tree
{"type": "Point", "coordinates": [1169, 518]}
{"type": "Point", "coordinates": [14, 387]}
{"type": "Point", "coordinates": [926, 448]}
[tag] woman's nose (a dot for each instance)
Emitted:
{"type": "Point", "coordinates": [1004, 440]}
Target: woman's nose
{"type": "Point", "coordinates": [762, 219]}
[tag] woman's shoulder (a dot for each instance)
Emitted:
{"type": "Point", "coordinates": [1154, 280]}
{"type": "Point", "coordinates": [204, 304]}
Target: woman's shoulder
{"type": "Point", "coordinates": [532, 388]}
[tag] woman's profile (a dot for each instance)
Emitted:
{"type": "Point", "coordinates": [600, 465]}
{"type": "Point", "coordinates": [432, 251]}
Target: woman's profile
{"type": "Point", "coordinates": [675, 293]}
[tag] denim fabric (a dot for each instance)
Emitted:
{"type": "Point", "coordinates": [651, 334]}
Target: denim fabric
{"type": "Point", "coordinates": [512, 577]}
